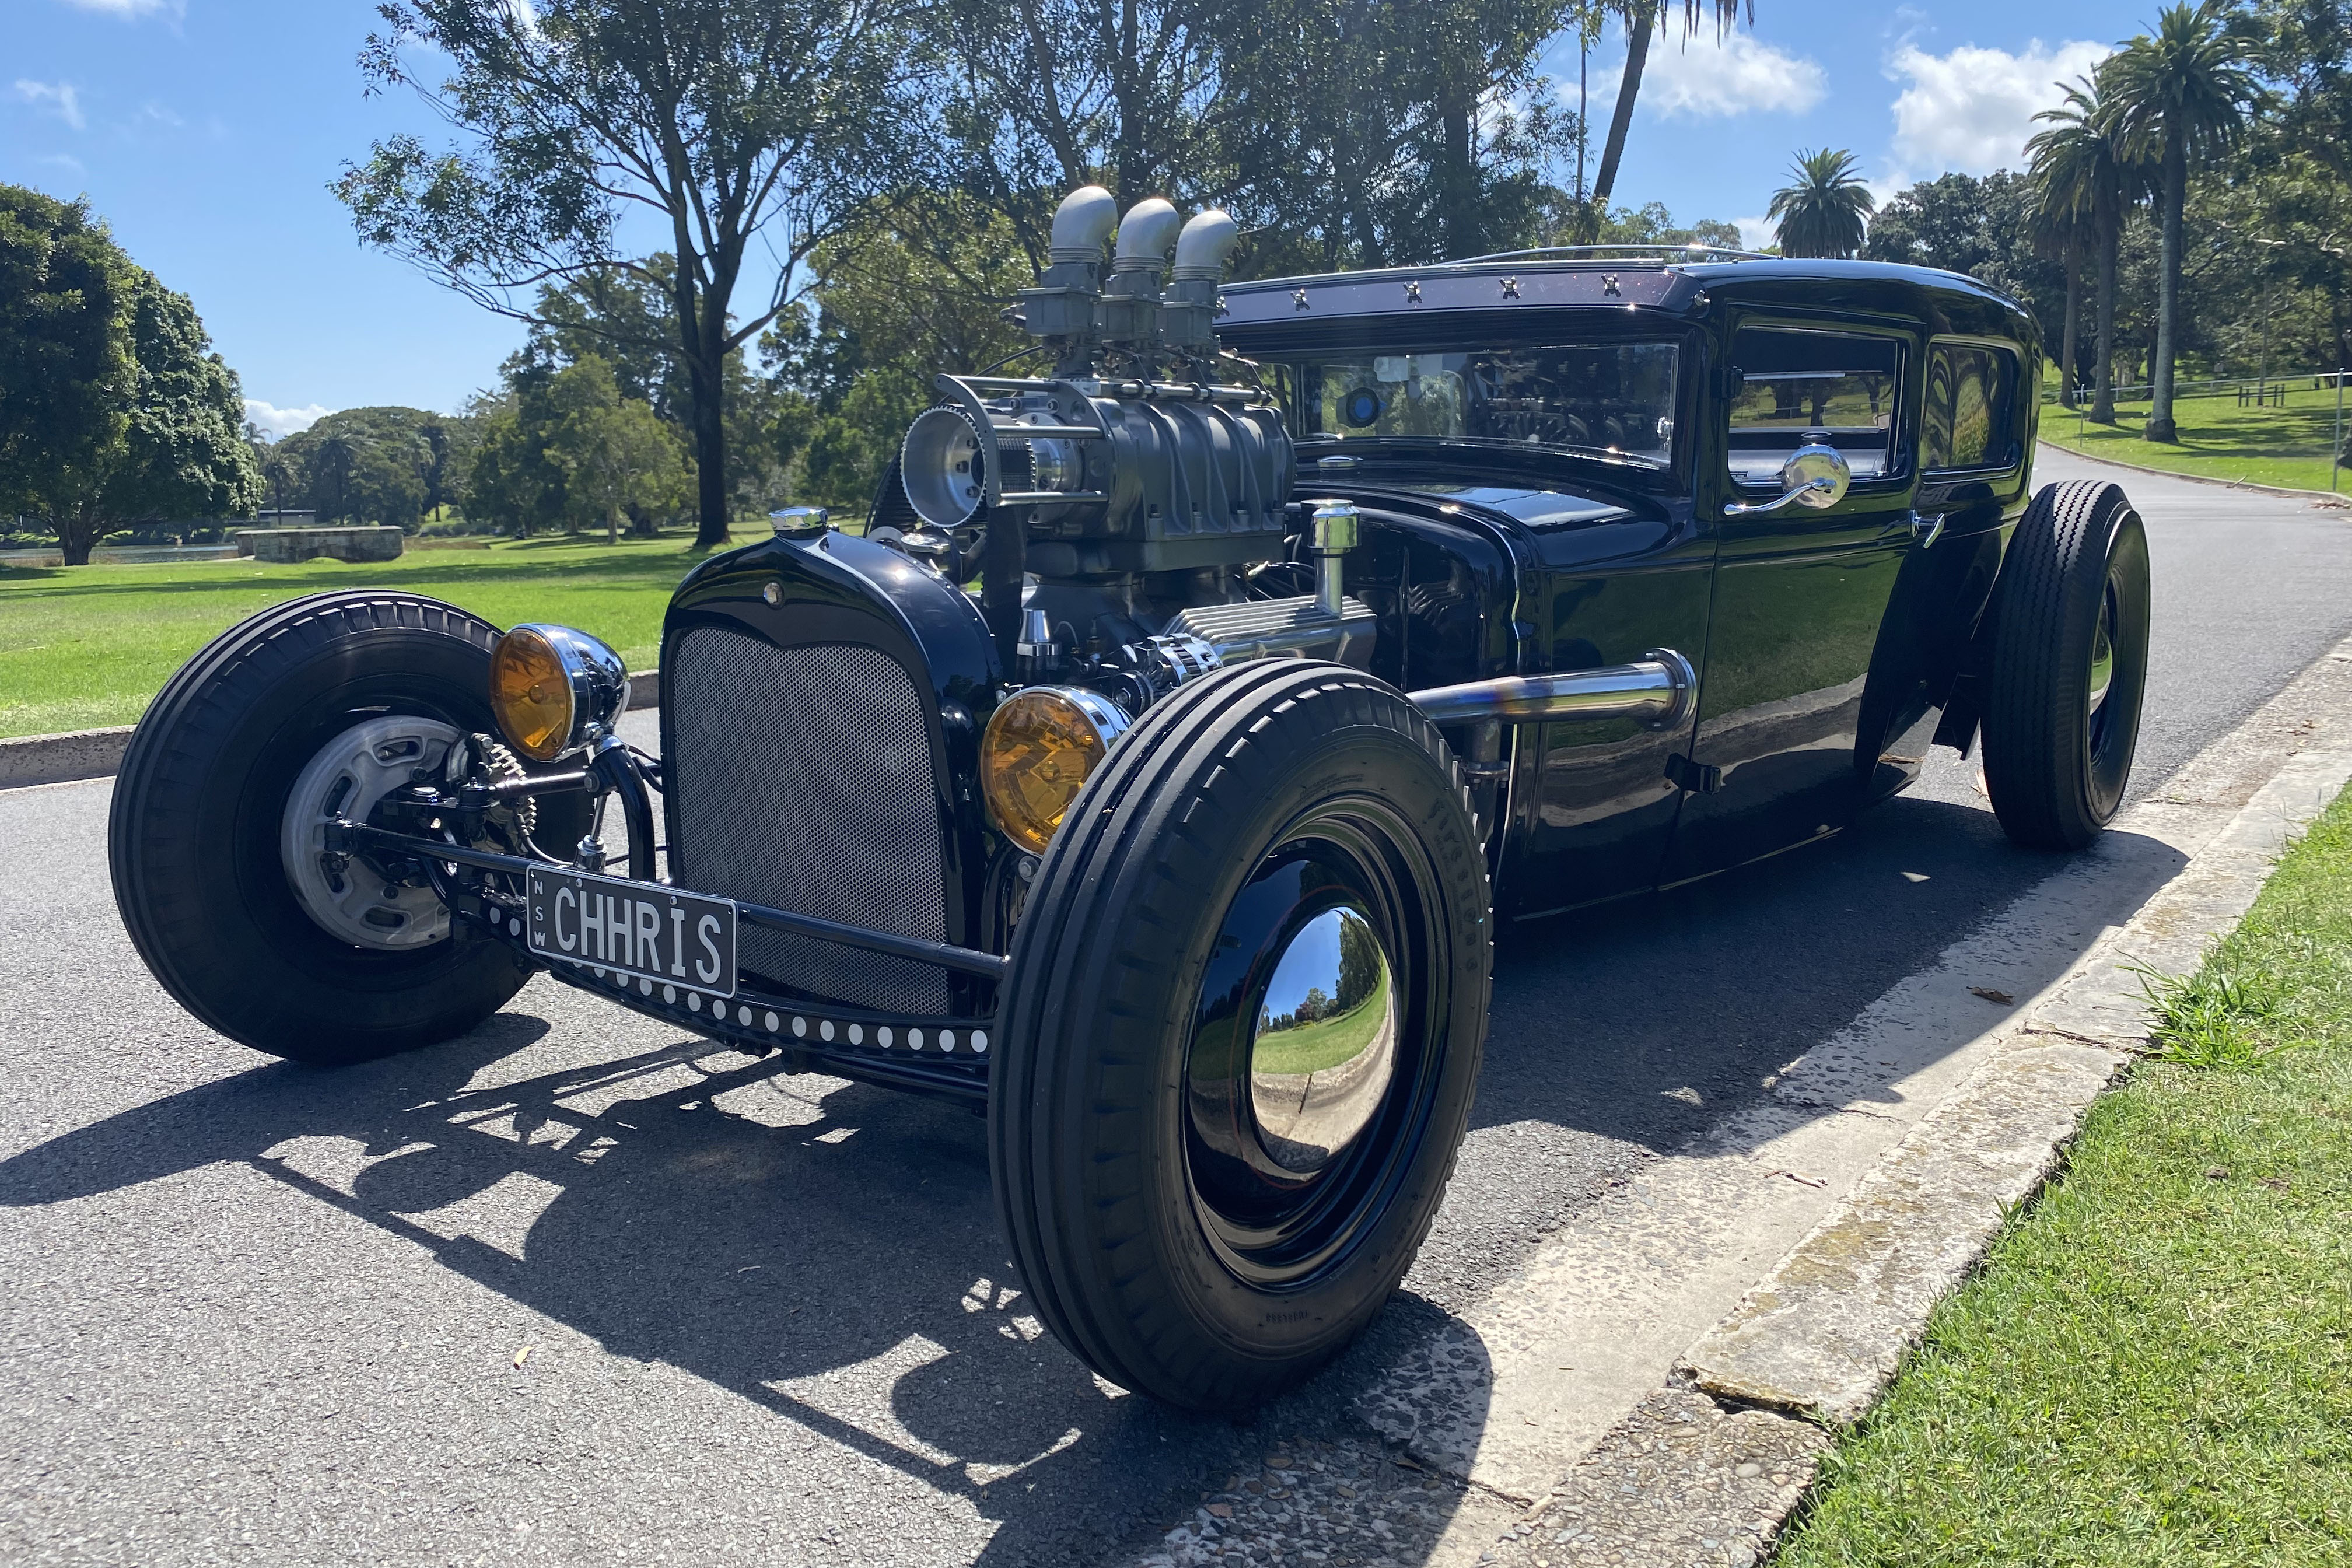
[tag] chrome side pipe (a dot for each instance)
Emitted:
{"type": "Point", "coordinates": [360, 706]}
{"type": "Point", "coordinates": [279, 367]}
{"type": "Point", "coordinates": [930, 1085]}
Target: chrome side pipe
{"type": "Point", "coordinates": [1660, 689]}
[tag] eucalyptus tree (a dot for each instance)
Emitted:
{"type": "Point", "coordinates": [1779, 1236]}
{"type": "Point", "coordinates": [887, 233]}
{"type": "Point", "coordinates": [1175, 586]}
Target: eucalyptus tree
{"type": "Point", "coordinates": [1370, 131]}
{"type": "Point", "coordinates": [2182, 96]}
{"type": "Point", "coordinates": [1826, 210]}
{"type": "Point", "coordinates": [1046, 95]}
{"type": "Point", "coordinates": [2086, 175]}
{"type": "Point", "coordinates": [746, 130]}
{"type": "Point", "coordinates": [1386, 132]}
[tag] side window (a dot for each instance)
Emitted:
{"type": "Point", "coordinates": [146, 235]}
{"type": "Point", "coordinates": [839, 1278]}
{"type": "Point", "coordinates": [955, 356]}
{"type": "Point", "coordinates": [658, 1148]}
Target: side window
{"type": "Point", "coordinates": [1966, 424]}
{"type": "Point", "coordinates": [1801, 388]}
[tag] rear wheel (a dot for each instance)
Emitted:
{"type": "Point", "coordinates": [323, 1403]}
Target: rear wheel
{"type": "Point", "coordinates": [2070, 666]}
{"type": "Point", "coordinates": [314, 709]}
{"type": "Point", "coordinates": [1242, 1032]}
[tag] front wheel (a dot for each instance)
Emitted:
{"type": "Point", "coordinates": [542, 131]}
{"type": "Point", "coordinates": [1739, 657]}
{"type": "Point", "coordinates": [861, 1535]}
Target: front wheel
{"type": "Point", "coordinates": [2069, 667]}
{"type": "Point", "coordinates": [315, 710]}
{"type": "Point", "coordinates": [1242, 1032]}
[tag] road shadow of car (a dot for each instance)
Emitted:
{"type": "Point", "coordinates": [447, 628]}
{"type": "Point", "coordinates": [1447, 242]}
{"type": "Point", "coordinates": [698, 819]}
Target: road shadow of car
{"type": "Point", "coordinates": [1656, 1020]}
{"type": "Point", "coordinates": [826, 1250]}
{"type": "Point", "coordinates": [830, 1251]}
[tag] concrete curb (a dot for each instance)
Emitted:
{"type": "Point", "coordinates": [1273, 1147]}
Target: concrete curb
{"type": "Point", "coordinates": [2202, 478]}
{"type": "Point", "coordinates": [27, 760]}
{"type": "Point", "coordinates": [1822, 1334]}
{"type": "Point", "coordinates": [56, 759]}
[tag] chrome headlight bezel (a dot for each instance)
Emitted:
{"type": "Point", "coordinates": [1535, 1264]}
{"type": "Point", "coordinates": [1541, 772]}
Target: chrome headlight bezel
{"type": "Point", "coordinates": [1091, 724]}
{"type": "Point", "coordinates": [595, 679]}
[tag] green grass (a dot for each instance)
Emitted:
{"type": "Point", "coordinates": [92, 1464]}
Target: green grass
{"type": "Point", "coordinates": [1327, 1042]}
{"type": "Point", "coordinates": [88, 646]}
{"type": "Point", "coordinates": [2265, 446]}
{"type": "Point", "coordinates": [2154, 1366]}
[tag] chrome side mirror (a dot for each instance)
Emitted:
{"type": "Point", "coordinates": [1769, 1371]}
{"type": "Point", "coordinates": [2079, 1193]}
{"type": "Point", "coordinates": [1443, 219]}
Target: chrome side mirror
{"type": "Point", "coordinates": [1814, 475]}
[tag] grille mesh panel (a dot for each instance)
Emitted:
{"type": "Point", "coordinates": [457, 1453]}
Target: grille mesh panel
{"type": "Point", "coordinates": [802, 779]}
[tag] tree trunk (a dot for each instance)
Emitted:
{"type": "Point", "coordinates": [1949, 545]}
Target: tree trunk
{"type": "Point", "coordinates": [709, 462]}
{"type": "Point", "coordinates": [2103, 368]}
{"type": "Point", "coordinates": [702, 326]}
{"type": "Point", "coordinates": [1455, 184]}
{"type": "Point", "coordinates": [1134, 178]}
{"type": "Point", "coordinates": [1621, 119]}
{"type": "Point", "coordinates": [2066, 398]}
{"type": "Point", "coordinates": [2160, 426]}
{"type": "Point", "coordinates": [77, 529]}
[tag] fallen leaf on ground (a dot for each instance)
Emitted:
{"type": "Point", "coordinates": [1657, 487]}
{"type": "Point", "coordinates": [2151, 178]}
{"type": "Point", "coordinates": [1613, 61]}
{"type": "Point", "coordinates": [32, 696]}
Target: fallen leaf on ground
{"type": "Point", "coordinates": [2217, 1173]}
{"type": "Point", "coordinates": [521, 1356]}
{"type": "Point", "coordinates": [1801, 1179]}
{"type": "Point", "coordinates": [1989, 995]}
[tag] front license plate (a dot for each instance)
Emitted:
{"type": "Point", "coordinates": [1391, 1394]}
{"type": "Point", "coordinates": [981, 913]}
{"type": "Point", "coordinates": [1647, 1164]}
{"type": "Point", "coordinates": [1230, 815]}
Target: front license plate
{"type": "Point", "coordinates": [646, 932]}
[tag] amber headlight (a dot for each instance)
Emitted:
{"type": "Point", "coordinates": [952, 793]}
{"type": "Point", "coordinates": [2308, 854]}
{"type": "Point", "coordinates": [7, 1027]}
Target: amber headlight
{"type": "Point", "coordinates": [1042, 746]}
{"type": "Point", "coordinates": [553, 690]}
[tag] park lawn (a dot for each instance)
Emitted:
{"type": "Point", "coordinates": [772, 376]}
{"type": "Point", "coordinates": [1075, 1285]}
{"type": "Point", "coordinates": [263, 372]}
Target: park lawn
{"type": "Point", "coordinates": [1327, 1042]}
{"type": "Point", "coordinates": [2218, 440]}
{"type": "Point", "coordinates": [2155, 1365]}
{"type": "Point", "coordinates": [82, 647]}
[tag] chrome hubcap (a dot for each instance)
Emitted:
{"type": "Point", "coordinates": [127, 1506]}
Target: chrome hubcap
{"type": "Point", "coordinates": [348, 776]}
{"type": "Point", "coordinates": [1324, 1046]}
{"type": "Point", "coordinates": [2103, 656]}
{"type": "Point", "coordinates": [1308, 1075]}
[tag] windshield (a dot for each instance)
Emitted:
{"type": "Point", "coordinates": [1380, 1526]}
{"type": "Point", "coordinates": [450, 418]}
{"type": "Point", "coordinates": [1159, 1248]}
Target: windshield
{"type": "Point", "coordinates": [1612, 400]}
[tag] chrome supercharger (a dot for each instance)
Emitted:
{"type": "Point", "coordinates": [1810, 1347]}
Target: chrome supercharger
{"type": "Point", "coordinates": [1134, 484]}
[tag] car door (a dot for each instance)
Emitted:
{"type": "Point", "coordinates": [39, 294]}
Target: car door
{"type": "Point", "coordinates": [1799, 593]}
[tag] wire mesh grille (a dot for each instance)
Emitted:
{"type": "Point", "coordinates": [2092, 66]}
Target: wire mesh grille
{"type": "Point", "coordinates": [802, 779]}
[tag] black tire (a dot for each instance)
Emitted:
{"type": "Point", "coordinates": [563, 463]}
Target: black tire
{"type": "Point", "coordinates": [193, 837]}
{"type": "Point", "coordinates": [2072, 597]}
{"type": "Point", "coordinates": [1151, 1242]}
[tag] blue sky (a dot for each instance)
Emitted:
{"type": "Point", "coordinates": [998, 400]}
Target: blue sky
{"type": "Point", "coordinates": [206, 133]}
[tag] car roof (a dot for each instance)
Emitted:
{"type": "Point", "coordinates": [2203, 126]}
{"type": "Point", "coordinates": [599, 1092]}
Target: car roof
{"type": "Point", "coordinates": [1675, 281]}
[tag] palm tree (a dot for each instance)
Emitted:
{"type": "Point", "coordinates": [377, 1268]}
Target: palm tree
{"type": "Point", "coordinates": [1827, 211]}
{"type": "Point", "coordinates": [2062, 236]}
{"type": "Point", "coordinates": [2181, 97]}
{"type": "Point", "coordinates": [1642, 18]}
{"type": "Point", "coordinates": [2086, 180]}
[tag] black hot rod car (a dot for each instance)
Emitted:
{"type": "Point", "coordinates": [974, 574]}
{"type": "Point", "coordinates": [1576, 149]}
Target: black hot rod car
{"type": "Point", "coordinates": [1175, 843]}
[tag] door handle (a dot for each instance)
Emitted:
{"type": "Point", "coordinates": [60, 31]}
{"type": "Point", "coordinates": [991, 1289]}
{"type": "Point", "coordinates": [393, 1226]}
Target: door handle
{"type": "Point", "coordinates": [1927, 529]}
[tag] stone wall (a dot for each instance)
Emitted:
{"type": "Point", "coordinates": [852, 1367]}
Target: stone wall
{"type": "Point", "coordinates": [382, 542]}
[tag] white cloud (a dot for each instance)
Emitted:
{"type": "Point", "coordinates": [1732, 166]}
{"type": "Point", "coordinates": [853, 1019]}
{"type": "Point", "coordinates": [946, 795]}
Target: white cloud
{"type": "Point", "coordinates": [1736, 74]}
{"type": "Point", "coordinates": [129, 8]}
{"type": "Point", "coordinates": [283, 421]}
{"type": "Point", "coordinates": [1755, 233]}
{"type": "Point", "coordinates": [1972, 110]}
{"type": "Point", "coordinates": [61, 95]}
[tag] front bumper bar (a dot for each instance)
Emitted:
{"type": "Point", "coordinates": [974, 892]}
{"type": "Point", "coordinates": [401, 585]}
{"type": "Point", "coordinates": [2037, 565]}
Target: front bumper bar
{"type": "Point", "coordinates": [946, 1055]}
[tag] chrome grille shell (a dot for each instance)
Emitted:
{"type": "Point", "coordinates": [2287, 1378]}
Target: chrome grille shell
{"type": "Point", "coordinates": [818, 746]}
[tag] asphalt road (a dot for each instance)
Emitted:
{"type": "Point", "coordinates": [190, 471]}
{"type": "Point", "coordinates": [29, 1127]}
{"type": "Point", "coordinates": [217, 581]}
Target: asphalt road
{"type": "Point", "coordinates": [259, 1313]}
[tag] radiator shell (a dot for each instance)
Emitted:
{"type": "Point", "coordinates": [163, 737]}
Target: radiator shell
{"type": "Point", "coordinates": [819, 738]}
